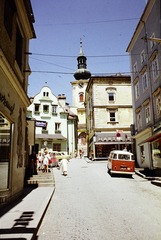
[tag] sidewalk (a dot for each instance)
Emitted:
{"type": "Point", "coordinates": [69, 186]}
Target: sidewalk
{"type": "Point", "coordinates": [149, 175]}
{"type": "Point", "coordinates": [22, 218]}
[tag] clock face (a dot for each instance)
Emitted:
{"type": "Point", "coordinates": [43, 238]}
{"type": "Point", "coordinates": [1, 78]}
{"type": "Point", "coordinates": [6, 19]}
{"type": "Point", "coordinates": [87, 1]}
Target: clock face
{"type": "Point", "coordinates": [81, 84]}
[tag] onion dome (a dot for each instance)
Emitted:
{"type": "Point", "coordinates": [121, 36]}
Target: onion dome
{"type": "Point", "coordinates": [82, 72]}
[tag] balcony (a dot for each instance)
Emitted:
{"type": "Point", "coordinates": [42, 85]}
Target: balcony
{"type": "Point", "coordinates": [58, 131]}
{"type": "Point", "coordinates": [44, 131]}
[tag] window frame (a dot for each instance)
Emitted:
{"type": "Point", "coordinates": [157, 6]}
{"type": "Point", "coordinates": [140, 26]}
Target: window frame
{"type": "Point", "coordinates": [155, 68]}
{"type": "Point", "coordinates": [145, 81]}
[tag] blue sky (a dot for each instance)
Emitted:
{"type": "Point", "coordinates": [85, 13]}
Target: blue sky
{"type": "Point", "coordinates": [105, 27]}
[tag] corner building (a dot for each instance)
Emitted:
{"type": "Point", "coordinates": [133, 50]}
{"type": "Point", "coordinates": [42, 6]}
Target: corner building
{"type": "Point", "coordinates": [109, 114]}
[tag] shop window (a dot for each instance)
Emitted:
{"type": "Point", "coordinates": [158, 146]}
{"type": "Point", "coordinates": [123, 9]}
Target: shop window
{"type": "Point", "coordinates": [57, 147]}
{"type": "Point", "coordinates": [5, 151]}
{"type": "Point", "coordinates": [156, 153]}
{"type": "Point", "coordinates": [142, 153]}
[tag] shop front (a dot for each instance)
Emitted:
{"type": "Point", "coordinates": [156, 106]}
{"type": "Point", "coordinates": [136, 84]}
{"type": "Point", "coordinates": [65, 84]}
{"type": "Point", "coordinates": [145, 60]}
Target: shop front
{"type": "Point", "coordinates": [103, 143]}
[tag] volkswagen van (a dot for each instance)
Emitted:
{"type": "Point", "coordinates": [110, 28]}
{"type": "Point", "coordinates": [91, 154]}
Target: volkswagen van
{"type": "Point", "coordinates": [121, 162]}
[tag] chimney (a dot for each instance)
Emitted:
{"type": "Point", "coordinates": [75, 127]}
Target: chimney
{"type": "Point", "coordinates": [62, 99]}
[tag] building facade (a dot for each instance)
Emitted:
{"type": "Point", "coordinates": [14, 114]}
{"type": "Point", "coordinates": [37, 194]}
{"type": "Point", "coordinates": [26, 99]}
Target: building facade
{"type": "Point", "coordinates": [16, 28]}
{"type": "Point", "coordinates": [109, 114]}
{"type": "Point", "coordinates": [56, 124]}
{"type": "Point", "coordinates": [145, 61]}
{"type": "Point", "coordinates": [82, 74]}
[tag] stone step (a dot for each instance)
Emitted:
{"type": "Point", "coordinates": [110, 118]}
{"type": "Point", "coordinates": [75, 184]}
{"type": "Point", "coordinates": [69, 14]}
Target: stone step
{"type": "Point", "coordinates": [46, 184]}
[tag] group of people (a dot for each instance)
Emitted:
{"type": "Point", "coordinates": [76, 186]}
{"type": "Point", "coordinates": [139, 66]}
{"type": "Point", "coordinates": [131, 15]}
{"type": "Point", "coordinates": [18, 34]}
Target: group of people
{"type": "Point", "coordinates": [39, 162]}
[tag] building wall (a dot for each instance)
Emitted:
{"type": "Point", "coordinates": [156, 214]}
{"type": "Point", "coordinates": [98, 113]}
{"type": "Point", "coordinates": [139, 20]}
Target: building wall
{"type": "Point", "coordinates": [145, 96]}
{"type": "Point", "coordinates": [13, 100]}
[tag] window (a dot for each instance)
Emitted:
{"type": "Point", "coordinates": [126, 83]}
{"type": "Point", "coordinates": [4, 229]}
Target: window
{"type": "Point", "coordinates": [144, 81]}
{"type": "Point", "coordinates": [5, 151]}
{"type": "Point", "coordinates": [135, 68]}
{"type": "Point", "coordinates": [112, 116]}
{"type": "Point", "coordinates": [57, 126]}
{"type": "Point", "coordinates": [147, 113]}
{"type": "Point", "coordinates": [111, 91]}
{"type": "Point", "coordinates": [111, 97]}
{"type": "Point", "coordinates": [19, 47]}
{"type": "Point", "coordinates": [46, 108]}
{"type": "Point", "coordinates": [137, 90]}
{"type": "Point", "coordinates": [142, 56]}
{"type": "Point", "coordinates": [152, 44]}
{"type": "Point", "coordinates": [142, 153]}
{"type": "Point", "coordinates": [54, 108]}
{"type": "Point", "coordinates": [9, 10]}
{"type": "Point", "coordinates": [81, 97]}
{"type": "Point", "coordinates": [139, 124]}
{"type": "Point", "coordinates": [155, 68]}
{"type": "Point", "coordinates": [158, 104]}
{"type": "Point", "coordinates": [37, 107]}
{"type": "Point", "coordinates": [57, 147]}
{"type": "Point", "coordinates": [46, 94]}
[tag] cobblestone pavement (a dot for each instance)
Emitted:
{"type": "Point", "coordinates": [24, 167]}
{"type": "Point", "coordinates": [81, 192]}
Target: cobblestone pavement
{"type": "Point", "coordinates": [90, 204]}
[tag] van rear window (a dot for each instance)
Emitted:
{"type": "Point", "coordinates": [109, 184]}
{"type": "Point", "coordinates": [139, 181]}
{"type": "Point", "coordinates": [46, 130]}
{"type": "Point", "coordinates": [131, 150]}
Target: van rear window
{"type": "Point", "coordinates": [124, 156]}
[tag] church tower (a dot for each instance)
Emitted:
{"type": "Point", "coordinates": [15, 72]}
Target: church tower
{"type": "Point", "coordinates": [82, 75]}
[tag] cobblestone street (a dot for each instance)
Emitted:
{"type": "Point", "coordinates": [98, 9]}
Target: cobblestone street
{"type": "Point", "coordinates": [90, 204]}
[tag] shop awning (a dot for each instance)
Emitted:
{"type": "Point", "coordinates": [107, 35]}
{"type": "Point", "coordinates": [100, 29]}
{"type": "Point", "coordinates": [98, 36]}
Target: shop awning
{"type": "Point", "coordinates": [50, 136]}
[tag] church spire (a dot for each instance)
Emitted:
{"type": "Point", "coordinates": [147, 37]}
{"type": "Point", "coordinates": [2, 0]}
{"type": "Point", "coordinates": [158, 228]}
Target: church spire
{"type": "Point", "coordinates": [82, 72]}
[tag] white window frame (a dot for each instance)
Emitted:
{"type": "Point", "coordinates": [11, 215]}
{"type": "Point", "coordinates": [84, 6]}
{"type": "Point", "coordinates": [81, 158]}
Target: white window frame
{"type": "Point", "coordinates": [139, 120]}
{"type": "Point", "coordinates": [155, 68]}
{"type": "Point", "coordinates": [57, 126]}
{"type": "Point", "coordinates": [147, 113]}
{"type": "Point", "coordinates": [145, 81]}
{"type": "Point", "coordinates": [109, 91]}
{"type": "Point", "coordinates": [152, 44]}
{"type": "Point", "coordinates": [142, 56]}
{"type": "Point", "coordinates": [135, 68]}
{"type": "Point", "coordinates": [115, 115]}
{"type": "Point", "coordinates": [137, 92]}
{"type": "Point", "coordinates": [54, 109]}
{"type": "Point", "coordinates": [158, 104]}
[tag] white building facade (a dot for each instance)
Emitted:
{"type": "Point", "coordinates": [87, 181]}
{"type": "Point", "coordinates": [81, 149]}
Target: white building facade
{"type": "Point", "coordinates": [56, 124]}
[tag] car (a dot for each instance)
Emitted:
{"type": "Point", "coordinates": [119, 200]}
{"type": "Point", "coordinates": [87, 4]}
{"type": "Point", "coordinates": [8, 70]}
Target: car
{"type": "Point", "coordinates": [60, 155]}
{"type": "Point", "coordinates": [53, 161]}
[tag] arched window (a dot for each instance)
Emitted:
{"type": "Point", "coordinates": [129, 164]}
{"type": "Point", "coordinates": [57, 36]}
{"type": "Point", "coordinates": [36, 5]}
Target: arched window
{"type": "Point", "coordinates": [81, 97]}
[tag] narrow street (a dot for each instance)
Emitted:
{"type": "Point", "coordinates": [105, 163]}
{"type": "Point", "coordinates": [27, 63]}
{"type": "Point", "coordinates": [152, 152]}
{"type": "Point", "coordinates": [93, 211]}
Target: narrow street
{"type": "Point", "coordinates": [90, 204]}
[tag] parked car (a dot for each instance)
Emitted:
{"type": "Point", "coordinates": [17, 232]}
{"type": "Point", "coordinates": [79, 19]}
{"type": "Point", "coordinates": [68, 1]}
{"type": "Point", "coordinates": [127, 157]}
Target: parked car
{"type": "Point", "coordinates": [121, 162]}
{"type": "Point", "coordinates": [53, 161]}
{"type": "Point", "coordinates": [59, 155]}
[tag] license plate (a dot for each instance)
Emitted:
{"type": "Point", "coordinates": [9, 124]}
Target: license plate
{"type": "Point", "coordinates": [123, 168]}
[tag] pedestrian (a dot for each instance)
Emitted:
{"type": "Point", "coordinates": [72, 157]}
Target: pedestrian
{"type": "Point", "coordinates": [63, 165]}
{"type": "Point", "coordinates": [39, 161]}
{"type": "Point", "coordinates": [46, 161]}
{"type": "Point", "coordinates": [32, 166]}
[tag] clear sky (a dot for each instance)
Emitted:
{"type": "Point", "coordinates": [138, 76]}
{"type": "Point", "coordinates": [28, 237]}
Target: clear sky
{"type": "Point", "coordinates": [105, 27]}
